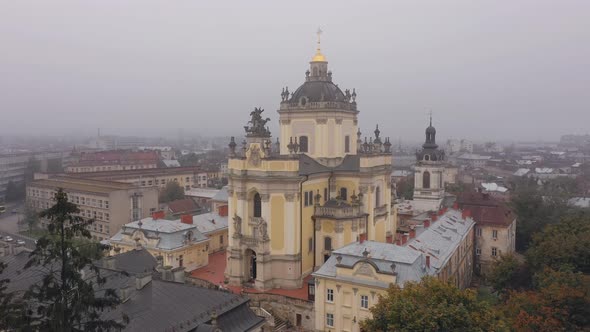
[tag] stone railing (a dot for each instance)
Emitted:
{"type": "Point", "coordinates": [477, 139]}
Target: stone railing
{"type": "Point", "coordinates": [259, 311]}
{"type": "Point", "coordinates": [255, 220]}
{"type": "Point", "coordinates": [338, 212]}
{"type": "Point", "coordinates": [250, 240]}
{"type": "Point", "coordinates": [321, 104]}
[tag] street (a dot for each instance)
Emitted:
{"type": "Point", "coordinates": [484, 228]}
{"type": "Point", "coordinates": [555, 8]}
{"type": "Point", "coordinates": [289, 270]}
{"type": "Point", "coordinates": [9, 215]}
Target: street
{"type": "Point", "coordinates": [9, 225]}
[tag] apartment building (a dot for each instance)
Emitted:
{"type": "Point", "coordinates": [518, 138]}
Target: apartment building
{"type": "Point", "coordinates": [110, 204]}
{"type": "Point", "coordinates": [186, 177]}
{"type": "Point", "coordinates": [495, 230]}
{"type": "Point", "coordinates": [349, 283]}
{"type": "Point", "coordinates": [116, 160]}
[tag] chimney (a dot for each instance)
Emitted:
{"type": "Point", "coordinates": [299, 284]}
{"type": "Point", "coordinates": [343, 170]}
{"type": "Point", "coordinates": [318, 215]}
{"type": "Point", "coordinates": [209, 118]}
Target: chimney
{"type": "Point", "coordinates": [142, 279]}
{"type": "Point", "coordinates": [434, 218]}
{"type": "Point", "coordinates": [389, 239]}
{"type": "Point", "coordinates": [109, 262]}
{"type": "Point", "coordinates": [456, 205]}
{"type": "Point", "coordinates": [362, 237]}
{"type": "Point", "coordinates": [178, 274]}
{"type": "Point", "coordinates": [412, 233]}
{"type": "Point", "coordinates": [158, 215]}
{"type": "Point", "coordinates": [124, 293]}
{"type": "Point", "coordinates": [440, 212]}
{"type": "Point", "coordinates": [466, 214]}
{"type": "Point", "coordinates": [186, 219]}
{"type": "Point", "coordinates": [404, 239]}
{"type": "Point", "coordinates": [426, 223]}
{"type": "Point", "coordinates": [223, 211]}
{"type": "Point", "coordinates": [427, 261]}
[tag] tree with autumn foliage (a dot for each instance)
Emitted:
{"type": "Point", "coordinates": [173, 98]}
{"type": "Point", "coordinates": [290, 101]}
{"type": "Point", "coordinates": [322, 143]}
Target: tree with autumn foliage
{"type": "Point", "coordinates": [565, 244]}
{"type": "Point", "coordinates": [431, 305]}
{"type": "Point", "coordinates": [561, 302]}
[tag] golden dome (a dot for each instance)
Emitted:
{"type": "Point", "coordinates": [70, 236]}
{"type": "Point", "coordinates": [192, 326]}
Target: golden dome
{"type": "Point", "coordinates": [318, 57]}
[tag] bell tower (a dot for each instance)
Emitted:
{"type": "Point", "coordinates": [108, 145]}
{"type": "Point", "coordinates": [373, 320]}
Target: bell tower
{"type": "Point", "coordinates": [428, 177]}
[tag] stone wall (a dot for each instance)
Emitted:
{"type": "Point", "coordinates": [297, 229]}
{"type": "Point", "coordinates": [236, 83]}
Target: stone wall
{"type": "Point", "coordinates": [286, 308]}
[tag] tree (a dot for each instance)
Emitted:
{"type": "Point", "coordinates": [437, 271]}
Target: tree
{"type": "Point", "coordinates": [508, 273]}
{"type": "Point", "coordinates": [70, 296]}
{"type": "Point", "coordinates": [11, 308]}
{"type": "Point", "coordinates": [191, 159]}
{"type": "Point", "coordinates": [431, 305]}
{"type": "Point", "coordinates": [171, 192]}
{"type": "Point", "coordinates": [405, 188]}
{"type": "Point", "coordinates": [560, 303]}
{"type": "Point", "coordinates": [31, 217]}
{"type": "Point", "coordinates": [14, 191]}
{"type": "Point", "coordinates": [565, 244]}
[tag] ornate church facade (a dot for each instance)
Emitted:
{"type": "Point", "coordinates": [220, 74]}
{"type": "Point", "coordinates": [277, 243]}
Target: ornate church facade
{"type": "Point", "coordinates": [319, 186]}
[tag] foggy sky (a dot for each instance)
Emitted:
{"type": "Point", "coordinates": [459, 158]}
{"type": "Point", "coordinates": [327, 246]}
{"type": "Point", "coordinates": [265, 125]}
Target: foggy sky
{"type": "Point", "coordinates": [486, 69]}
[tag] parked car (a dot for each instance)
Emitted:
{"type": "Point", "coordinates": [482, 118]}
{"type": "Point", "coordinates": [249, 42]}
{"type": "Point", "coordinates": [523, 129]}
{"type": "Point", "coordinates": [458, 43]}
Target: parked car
{"type": "Point", "coordinates": [8, 239]}
{"type": "Point", "coordinates": [20, 242]}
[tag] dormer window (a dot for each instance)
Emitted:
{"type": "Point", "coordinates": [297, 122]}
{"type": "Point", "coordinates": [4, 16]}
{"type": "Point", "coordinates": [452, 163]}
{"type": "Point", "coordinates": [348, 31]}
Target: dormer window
{"type": "Point", "coordinates": [426, 157]}
{"type": "Point", "coordinates": [189, 236]}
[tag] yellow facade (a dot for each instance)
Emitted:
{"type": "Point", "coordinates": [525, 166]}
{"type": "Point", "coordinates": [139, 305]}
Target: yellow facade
{"type": "Point", "coordinates": [317, 182]}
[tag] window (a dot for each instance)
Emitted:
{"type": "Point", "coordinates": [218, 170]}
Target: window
{"type": "Point", "coordinates": [325, 195]}
{"type": "Point", "coordinates": [303, 144]}
{"type": "Point", "coordinates": [426, 180]}
{"type": "Point", "coordinates": [477, 251]}
{"type": "Point", "coordinates": [310, 244]}
{"type": "Point", "coordinates": [257, 206]}
{"type": "Point", "coordinates": [106, 204]}
{"type": "Point", "coordinates": [377, 197]}
{"type": "Point", "coordinates": [106, 217]}
{"type": "Point", "coordinates": [494, 251]}
{"type": "Point", "coordinates": [346, 144]}
{"type": "Point", "coordinates": [157, 181]}
{"type": "Point", "coordinates": [478, 232]}
{"type": "Point", "coordinates": [187, 179]}
{"type": "Point", "coordinates": [327, 243]}
{"type": "Point", "coordinates": [330, 320]}
{"type": "Point", "coordinates": [364, 301]}
{"type": "Point", "coordinates": [150, 182]}
{"type": "Point", "coordinates": [494, 234]}
{"type": "Point", "coordinates": [143, 183]}
{"type": "Point", "coordinates": [330, 295]}
{"type": "Point", "coordinates": [343, 194]}
{"type": "Point", "coordinates": [220, 239]}
{"type": "Point", "coordinates": [311, 198]}
{"type": "Point", "coordinates": [308, 198]}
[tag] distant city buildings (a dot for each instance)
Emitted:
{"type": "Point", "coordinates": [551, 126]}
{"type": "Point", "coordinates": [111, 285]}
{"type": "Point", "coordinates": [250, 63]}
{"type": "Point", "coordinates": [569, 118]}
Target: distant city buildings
{"type": "Point", "coordinates": [455, 146]}
{"type": "Point", "coordinates": [110, 204]}
{"type": "Point", "coordinates": [115, 160]}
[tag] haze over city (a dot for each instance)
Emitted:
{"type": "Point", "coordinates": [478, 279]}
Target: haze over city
{"type": "Point", "coordinates": [487, 70]}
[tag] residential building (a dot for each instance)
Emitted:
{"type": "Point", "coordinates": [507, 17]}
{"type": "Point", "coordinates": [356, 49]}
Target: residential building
{"type": "Point", "coordinates": [219, 201]}
{"type": "Point", "coordinates": [203, 196]}
{"type": "Point", "coordinates": [495, 230]}
{"type": "Point", "coordinates": [110, 204]}
{"type": "Point", "coordinates": [319, 185]}
{"type": "Point", "coordinates": [214, 226]}
{"type": "Point", "coordinates": [181, 244]}
{"type": "Point", "coordinates": [473, 160]}
{"type": "Point", "coordinates": [165, 152]}
{"type": "Point", "coordinates": [186, 177]}
{"type": "Point", "coordinates": [349, 283]}
{"type": "Point", "coordinates": [12, 169]}
{"type": "Point", "coordinates": [455, 146]}
{"type": "Point", "coordinates": [154, 297]}
{"type": "Point", "coordinates": [115, 160]}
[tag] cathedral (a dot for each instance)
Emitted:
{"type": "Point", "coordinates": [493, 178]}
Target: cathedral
{"type": "Point", "coordinates": [320, 185]}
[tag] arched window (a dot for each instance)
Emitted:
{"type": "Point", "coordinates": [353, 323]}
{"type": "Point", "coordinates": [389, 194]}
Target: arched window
{"type": "Point", "coordinates": [327, 243]}
{"type": "Point", "coordinates": [426, 180]}
{"type": "Point", "coordinates": [377, 197]}
{"type": "Point", "coordinates": [426, 157]}
{"type": "Point", "coordinates": [343, 194]}
{"type": "Point", "coordinates": [303, 144]}
{"type": "Point", "coordinates": [257, 206]}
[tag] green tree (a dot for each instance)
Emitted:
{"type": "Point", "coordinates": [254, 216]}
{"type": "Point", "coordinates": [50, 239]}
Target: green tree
{"type": "Point", "coordinates": [431, 305]}
{"type": "Point", "coordinates": [11, 307]}
{"type": "Point", "coordinates": [171, 192]}
{"type": "Point", "coordinates": [14, 191]}
{"type": "Point", "coordinates": [508, 273]}
{"type": "Point", "coordinates": [191, 159]}
{"type": "Point", "coordinates": [565, 244]}
{"type": "Point", "coordinates": [405, 188]}
{"type": "Point", "coordinates": [31, 217]}
{"type": "Point", "coordinates": [70, 295]}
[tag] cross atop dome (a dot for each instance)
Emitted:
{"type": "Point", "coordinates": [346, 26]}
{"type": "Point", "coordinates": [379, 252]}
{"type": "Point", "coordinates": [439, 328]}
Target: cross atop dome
{"type": "Point", "coordinates": [319, 57]}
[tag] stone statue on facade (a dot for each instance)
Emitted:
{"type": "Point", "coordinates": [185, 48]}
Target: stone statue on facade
{"type": "Point", "coordinates": [257, 125]}
{"type": "Point", "coordinates": [263, 230]}
{"type": "Point", "coordinates": [237, 226]}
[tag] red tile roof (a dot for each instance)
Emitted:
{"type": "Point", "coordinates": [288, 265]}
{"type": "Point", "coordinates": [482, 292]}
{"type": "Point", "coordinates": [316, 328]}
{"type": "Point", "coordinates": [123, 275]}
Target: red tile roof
{"type": "Point", "coordinates": [186, 205]}
{"type": "Point", "coordinates": [486, 209]}
{"type": "Point", "coordinates": [214, 273]}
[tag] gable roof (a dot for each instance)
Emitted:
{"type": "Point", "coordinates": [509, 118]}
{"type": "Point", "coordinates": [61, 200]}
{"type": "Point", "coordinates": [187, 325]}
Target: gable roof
{"type": "Point", "coordinates": [186, 205]}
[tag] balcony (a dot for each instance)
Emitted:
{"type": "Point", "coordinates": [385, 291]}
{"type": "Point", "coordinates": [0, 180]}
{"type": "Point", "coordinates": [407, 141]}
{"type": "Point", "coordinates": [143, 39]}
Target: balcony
{"type": "Point", "coordinates": [344, 211]}
{"type": "Point", "coordinates": [380, 210]}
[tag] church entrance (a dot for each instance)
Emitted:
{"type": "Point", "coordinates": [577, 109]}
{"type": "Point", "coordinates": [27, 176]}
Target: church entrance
{"type": "Point", "coordinates": [251, 259]}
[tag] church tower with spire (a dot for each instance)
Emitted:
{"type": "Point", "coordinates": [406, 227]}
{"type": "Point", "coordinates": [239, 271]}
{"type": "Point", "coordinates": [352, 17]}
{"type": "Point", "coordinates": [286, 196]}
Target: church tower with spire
{"type": "Point", "coordinates": [429, 173]}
